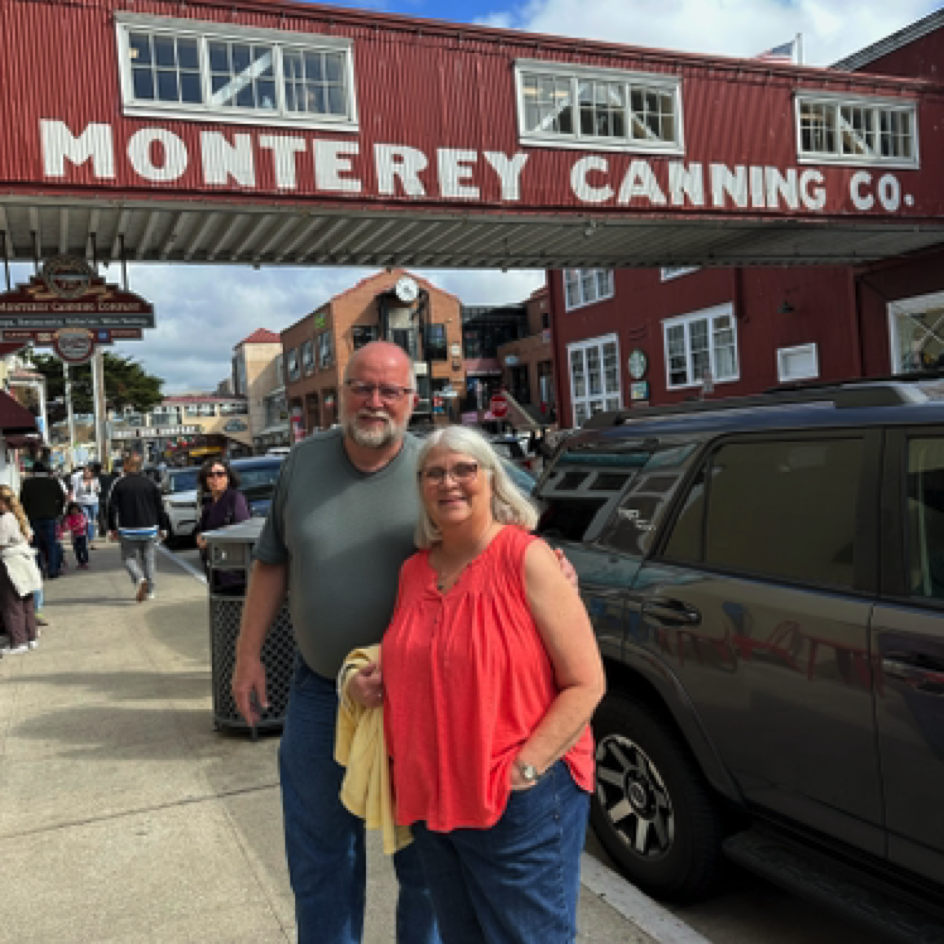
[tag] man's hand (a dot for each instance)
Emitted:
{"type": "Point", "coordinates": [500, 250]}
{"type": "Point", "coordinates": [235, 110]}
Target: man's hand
{"type": "Point", "coordinates": [365, 687]}
{"type": "Point", "coordinates": [200, 541]}
{"type": "Point", "coordinates": [249, 688]}
{"type": "Point", "coordinates": [567, 569]}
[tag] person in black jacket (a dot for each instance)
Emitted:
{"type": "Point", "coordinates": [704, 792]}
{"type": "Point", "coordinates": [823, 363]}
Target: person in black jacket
{"type": "Point", "coordinates": [105, 482]}
{"type": "Point", "coordinates": [137, 519]}
{"type": "Point", "coordinates": [43, 500]}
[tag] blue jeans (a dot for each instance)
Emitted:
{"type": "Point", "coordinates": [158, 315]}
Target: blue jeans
{"type": "Point", "coordinates": [91, 513]}
{"type": "Point", "coordinates": [519, 881]}
{"type": "Point", "coordinates": [50, 551]}
{"type": "Point", "coordinates": [324, 843]}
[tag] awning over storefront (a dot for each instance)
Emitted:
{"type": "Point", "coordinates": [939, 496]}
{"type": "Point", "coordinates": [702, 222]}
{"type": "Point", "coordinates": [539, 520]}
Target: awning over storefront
{"type": "Point", "coordinates": [15, 418]}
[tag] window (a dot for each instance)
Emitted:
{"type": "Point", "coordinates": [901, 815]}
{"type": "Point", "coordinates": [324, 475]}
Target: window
{"type": "Point", "coordinates": [797, 363]}
{"type": "Point", "coordinates": [925, 518]}
{"type": "Point", "coordinates": [701, 346]}
{"type": "Point", "coordinates": [217, 72]}
{"type": "Point", "coordinates": [192, 409]}
{"type": "Point", "coordinates": [207, 409]}
{"type": "Point", "coordinates": [363, 334]}
{"type": "Point", "coordinates": [594, 377]}
{"type": "Point", "coordinates": [861, 131]}
{"type": "Point", "coordinates": [325, 349]}
{"type": "Point", "coordinates": [234, 409]}
{"type": "Point", "coordinates": [292, 365]}
{"type": "Point", "coordinates": [308, 357]}
{"type": "Point", "coordinates": [436, 342]}
{"type": "Point", "coordinates": [586, 286]}
{"type": "Point", "coordinates": [803, 491]}
{"type": "Point", "coordinates": [572, 106]}
{"type": "Point", "coordinates": [667, 273]}
{"type": "Point", "coordinates": [916, 330]}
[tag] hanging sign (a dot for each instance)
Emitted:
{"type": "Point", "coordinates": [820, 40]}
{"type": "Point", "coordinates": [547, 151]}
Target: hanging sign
{"type": "Point", "coordinates": [74, 345]}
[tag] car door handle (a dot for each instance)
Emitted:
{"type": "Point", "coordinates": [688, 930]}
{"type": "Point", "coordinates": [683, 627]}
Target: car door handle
{"type": "Point", "coordinates": [918, 677]}
{"type": "Point", "coordinates": [671, 611]}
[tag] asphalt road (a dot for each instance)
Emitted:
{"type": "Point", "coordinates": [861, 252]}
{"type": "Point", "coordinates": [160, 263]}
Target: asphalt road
{"type": "Point", "coordinates": [747, 910]}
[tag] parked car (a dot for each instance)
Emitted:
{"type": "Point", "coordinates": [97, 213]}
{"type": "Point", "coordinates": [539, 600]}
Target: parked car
{"type": "Point", "coordinates": [179, 488]}
{"type": "Point", "coordinates": [765, 577]}
{"type": "Point", "coordinates": [257, 478]}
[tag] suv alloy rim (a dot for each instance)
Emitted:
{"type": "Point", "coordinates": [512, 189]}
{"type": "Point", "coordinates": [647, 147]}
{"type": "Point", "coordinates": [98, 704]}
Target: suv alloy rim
{"type": "Point", "coordinates": [634, 798]}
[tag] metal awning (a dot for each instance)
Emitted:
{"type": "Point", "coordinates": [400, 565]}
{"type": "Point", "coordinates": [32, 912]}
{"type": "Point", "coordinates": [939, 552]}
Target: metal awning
{"type": "Point", "coordinates": [172, 230]}
{"type": "Point", "coordinates": [15, 418]}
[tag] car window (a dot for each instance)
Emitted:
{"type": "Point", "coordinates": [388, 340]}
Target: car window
{"type": "Point", "coordinates": [781, 509]}
{"type": "Point", "coordinates": [259, 475]}
{"type": "Point", "coordinates": [184, 481]}
{"type": "Point", "coordinates": [924, 516]}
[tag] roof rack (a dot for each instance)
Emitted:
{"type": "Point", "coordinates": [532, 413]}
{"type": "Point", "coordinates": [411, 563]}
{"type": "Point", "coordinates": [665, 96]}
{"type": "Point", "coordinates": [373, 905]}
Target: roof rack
{"type": "Point", "coordinates": [857, 394]}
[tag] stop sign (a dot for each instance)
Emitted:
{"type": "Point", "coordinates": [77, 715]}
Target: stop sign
{"type": "Point", "coordinates": [498, 406]}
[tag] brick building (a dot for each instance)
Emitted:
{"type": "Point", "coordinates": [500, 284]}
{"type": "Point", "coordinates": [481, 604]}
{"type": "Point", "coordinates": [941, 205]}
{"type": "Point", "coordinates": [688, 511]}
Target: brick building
{"type": "Point", "coordinates": [528, 362]}
{"type": "Point", "coordinates": [392, 305]}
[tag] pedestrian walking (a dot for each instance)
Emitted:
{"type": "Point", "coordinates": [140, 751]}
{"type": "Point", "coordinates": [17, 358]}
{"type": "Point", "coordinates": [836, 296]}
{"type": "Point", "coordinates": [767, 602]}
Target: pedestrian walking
{"type": "Point", "coordinates": [19, 576]}
{"type": "Point", "coordinates": [105, 482]}
{"type": "Point", "coordinates": [136, 518]}
{"type": "Point", "coordinates": [86, 492]}
{"type": "Point", "coordinates": [43, 499]}
{"type": "Point", "coordinates": [76, 524]}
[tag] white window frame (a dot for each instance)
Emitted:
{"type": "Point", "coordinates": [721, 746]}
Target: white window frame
{"type": "Point", "coordinates": [706, 313]}
{"type": "Point", "coordinates": [581, 346]}
{"type": "Point", "coordinates": [837, 100]}
{"type": "Point", "coordinates": [657, 81]}
{"type": "Point", "coordinates": [915, 305]}
{"type": "Point", "coordinates": [584, 301]}
{"type": "Point", "coordinates": [784, 352]}
{"type": "Point", "coordinates": [203, 32]}
{"type": "Point", "coordinates": [667, 273]}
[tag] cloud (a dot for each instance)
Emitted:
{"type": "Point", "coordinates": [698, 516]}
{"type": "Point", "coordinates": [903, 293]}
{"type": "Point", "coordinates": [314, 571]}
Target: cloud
{"type": "Point", "coordinates": [831, 29]}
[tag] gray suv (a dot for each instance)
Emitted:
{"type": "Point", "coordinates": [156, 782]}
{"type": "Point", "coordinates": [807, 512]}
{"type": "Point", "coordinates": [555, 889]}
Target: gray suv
{"type": "Point", "coordinates": [766, 580]}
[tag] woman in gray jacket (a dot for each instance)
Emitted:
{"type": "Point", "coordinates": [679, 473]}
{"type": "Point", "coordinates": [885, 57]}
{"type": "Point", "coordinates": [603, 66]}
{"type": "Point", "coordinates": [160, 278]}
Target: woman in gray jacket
{"type": "Point", "coordinates": [19, 575]}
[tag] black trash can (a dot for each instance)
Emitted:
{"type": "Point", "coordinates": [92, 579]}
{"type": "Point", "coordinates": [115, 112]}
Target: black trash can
{"type": "Point", "coordinates": [230, 560]}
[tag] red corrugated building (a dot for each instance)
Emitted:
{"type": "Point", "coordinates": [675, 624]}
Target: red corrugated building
{"type": "Point", "coordinates": [629, 337]}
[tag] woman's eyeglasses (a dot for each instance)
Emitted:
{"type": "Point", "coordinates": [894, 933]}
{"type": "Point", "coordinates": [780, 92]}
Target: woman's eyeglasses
{"type": "Point", "coordinates": [217, 474]}
{"type": "Point", "coordinates": [462, 473]}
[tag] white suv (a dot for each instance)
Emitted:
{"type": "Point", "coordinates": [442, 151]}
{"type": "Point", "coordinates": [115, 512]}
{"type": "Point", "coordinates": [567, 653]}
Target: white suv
{"type": "Point", "coordinates": [179, 488]}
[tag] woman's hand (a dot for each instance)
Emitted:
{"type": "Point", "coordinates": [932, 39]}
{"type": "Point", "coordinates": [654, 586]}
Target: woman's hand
{"type": "Point", "coordinates": [365, 686]}
{"type": "Point", "coordinates": [201, 542]}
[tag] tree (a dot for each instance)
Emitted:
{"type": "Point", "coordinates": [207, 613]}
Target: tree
{"type": "Point", "coordinates": [126, 384]}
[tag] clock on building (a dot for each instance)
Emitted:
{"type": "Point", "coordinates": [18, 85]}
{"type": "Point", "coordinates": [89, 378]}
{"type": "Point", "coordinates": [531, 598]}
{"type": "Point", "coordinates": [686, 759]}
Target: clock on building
{"type": "Point", "coordinates": [406, 289]}
{"type": "Point", "coordinates": [638, 364]}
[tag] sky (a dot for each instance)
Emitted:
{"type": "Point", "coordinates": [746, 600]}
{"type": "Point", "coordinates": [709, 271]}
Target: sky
{"type": "Point", "coordinates": [223, 305]}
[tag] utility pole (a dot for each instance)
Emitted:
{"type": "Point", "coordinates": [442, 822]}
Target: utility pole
{"type": "Point", "coordinates": [69, 417]}
{"type": "Point", "coordinates": [99, 406]}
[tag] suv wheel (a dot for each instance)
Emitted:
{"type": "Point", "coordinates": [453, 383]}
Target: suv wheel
{"type": "Point", "coordinates": [652, 810]}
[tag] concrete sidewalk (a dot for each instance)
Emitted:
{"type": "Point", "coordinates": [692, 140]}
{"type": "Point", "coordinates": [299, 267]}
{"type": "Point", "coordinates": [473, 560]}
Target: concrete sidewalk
{"type": "Point", "coordinates": [125, 817]}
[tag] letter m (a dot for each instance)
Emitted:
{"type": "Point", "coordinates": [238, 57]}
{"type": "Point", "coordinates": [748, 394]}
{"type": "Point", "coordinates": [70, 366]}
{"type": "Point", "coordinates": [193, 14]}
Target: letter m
{"type": "Point", "coordinates": [59, 144]}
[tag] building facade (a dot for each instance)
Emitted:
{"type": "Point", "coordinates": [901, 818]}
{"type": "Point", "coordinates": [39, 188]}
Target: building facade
{"type": "Point", "coordinates": [259, 377]}
{"type": "Point", "coordinates": [392, 305]}
{"type": "Point", "coordinates": [528, 363]}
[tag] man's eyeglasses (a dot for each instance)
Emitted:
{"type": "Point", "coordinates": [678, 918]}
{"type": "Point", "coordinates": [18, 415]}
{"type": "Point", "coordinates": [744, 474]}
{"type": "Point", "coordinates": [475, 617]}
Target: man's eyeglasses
{"type": "Point", "coordinates": [462, 473]}
{"type": "Point", "coordinates": [388, 392]}
{"type": "Point", "coordinates": [217, 474]}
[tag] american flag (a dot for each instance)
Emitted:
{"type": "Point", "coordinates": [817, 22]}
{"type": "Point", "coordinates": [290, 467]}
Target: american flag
{"type": "Point", "coordinates": [784, 53]}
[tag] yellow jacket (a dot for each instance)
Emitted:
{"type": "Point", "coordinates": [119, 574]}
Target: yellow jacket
{"type": "Point", "coordinates": [360, 746]}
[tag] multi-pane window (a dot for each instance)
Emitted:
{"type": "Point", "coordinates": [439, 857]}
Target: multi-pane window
{"type": "Point", "coordinates": [291, 365]}
{"type": "Point", "coordinates": [862, 131]}
{"type": "Point", "coordinates": [436, 342]}
{"type": "Point", "coordinates": [308, 357]}
{"type": "Point", "coordinates": [211, 72]}
{"type": "Point", "coordinates": [594, 377]}
{"type": "Point", "coordinates": [235, 408]}
{"type": "Point", "coordinates": [607, 107]}
{"type": "Point", "coordinates": [585, 286]}
{"type": "Point", "coordinates": [700, 347]}
{"type": "Point", "coordinates": [325, 349]}
{"type": "Point", "coordinates": [917, 333]}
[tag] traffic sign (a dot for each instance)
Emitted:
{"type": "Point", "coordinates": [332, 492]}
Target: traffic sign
{"type": "Point", "coordinates": [498, 406]}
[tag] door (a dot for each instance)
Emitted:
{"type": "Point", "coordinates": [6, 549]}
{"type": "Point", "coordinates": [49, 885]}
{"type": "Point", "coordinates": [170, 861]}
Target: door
{"type": "Point", "coordinates": [908, 636]}
{"type": "Point", "coordinates": [759, 601]}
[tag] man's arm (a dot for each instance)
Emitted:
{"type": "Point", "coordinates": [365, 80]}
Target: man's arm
{"type": "Point", "coordinates": [267, 586]}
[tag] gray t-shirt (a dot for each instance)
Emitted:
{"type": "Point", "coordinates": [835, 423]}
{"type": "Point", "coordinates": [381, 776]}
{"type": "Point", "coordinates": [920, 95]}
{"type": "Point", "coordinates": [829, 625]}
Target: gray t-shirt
{"type": "Point", "coordinates": [344, 534]}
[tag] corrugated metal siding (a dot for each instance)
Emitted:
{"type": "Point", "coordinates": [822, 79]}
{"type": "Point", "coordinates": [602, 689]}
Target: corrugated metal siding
{"type": "Point", "coordinates": [420, 85]}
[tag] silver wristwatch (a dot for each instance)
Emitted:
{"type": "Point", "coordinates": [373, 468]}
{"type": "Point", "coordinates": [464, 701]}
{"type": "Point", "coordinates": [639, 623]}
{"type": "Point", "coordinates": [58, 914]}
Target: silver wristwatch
{"type": "Point", "coordinates": [529, 773]}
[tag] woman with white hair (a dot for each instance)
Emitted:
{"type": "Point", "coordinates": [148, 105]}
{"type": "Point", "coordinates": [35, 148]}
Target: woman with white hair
{"type": "Point", "coordinates": [490, 674]}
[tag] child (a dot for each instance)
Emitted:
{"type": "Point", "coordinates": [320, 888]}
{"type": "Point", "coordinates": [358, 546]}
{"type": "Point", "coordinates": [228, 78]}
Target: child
{"type": "Point", "coordinates": [77, 524]}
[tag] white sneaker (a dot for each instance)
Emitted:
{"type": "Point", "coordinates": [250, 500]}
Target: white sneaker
{"type": "Point", "coordinates": [33, 644]}
{"type": "Point", "coordinates": [141, 591]}
{"type": "Point", "coordinates": [14, 650]}
{"type": "Point", "coordinates": [151, 595]}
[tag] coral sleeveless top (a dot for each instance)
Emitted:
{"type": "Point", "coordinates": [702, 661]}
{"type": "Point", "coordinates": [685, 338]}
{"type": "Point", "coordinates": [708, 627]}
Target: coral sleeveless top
{"type": "Point", "coordinates": [467, 680]}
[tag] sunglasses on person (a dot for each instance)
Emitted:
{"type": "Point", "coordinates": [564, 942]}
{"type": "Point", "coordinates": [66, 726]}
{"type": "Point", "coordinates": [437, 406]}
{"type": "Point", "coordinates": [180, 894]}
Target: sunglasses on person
{"type": "Point", "coordinates": [389, 393]}
{"type": "Point", "coordinates": [217, 474]}
{"type": "Point", "coordinates": [461, 473]}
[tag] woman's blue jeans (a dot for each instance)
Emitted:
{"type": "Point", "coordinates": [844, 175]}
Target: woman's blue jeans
{"type": "Point", "coordinates": [91, 514]}
{"type": "Point", "coordinates": [518, 882]}
{"type": "Point", "coordinates": [324, 843]}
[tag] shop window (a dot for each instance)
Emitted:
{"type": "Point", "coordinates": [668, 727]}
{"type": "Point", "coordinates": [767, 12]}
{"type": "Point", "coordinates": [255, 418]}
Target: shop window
{"type": "Point", "coordinates": [586, 286]}
{"type": "Point", "coordinates": [436, 349]}
{"type": "Point", "coordinates": [860, 131]}
{"type": "Point", "coordinates": [608, 108]}
{"type": "Point", "coordinates": [216, 72]}
{"type": "Point", "coordinates": [594, 377]}
{"type": "Point", "coordinates": [325, 350]}
{"type": "Point", "coordinates": [701, 346]}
